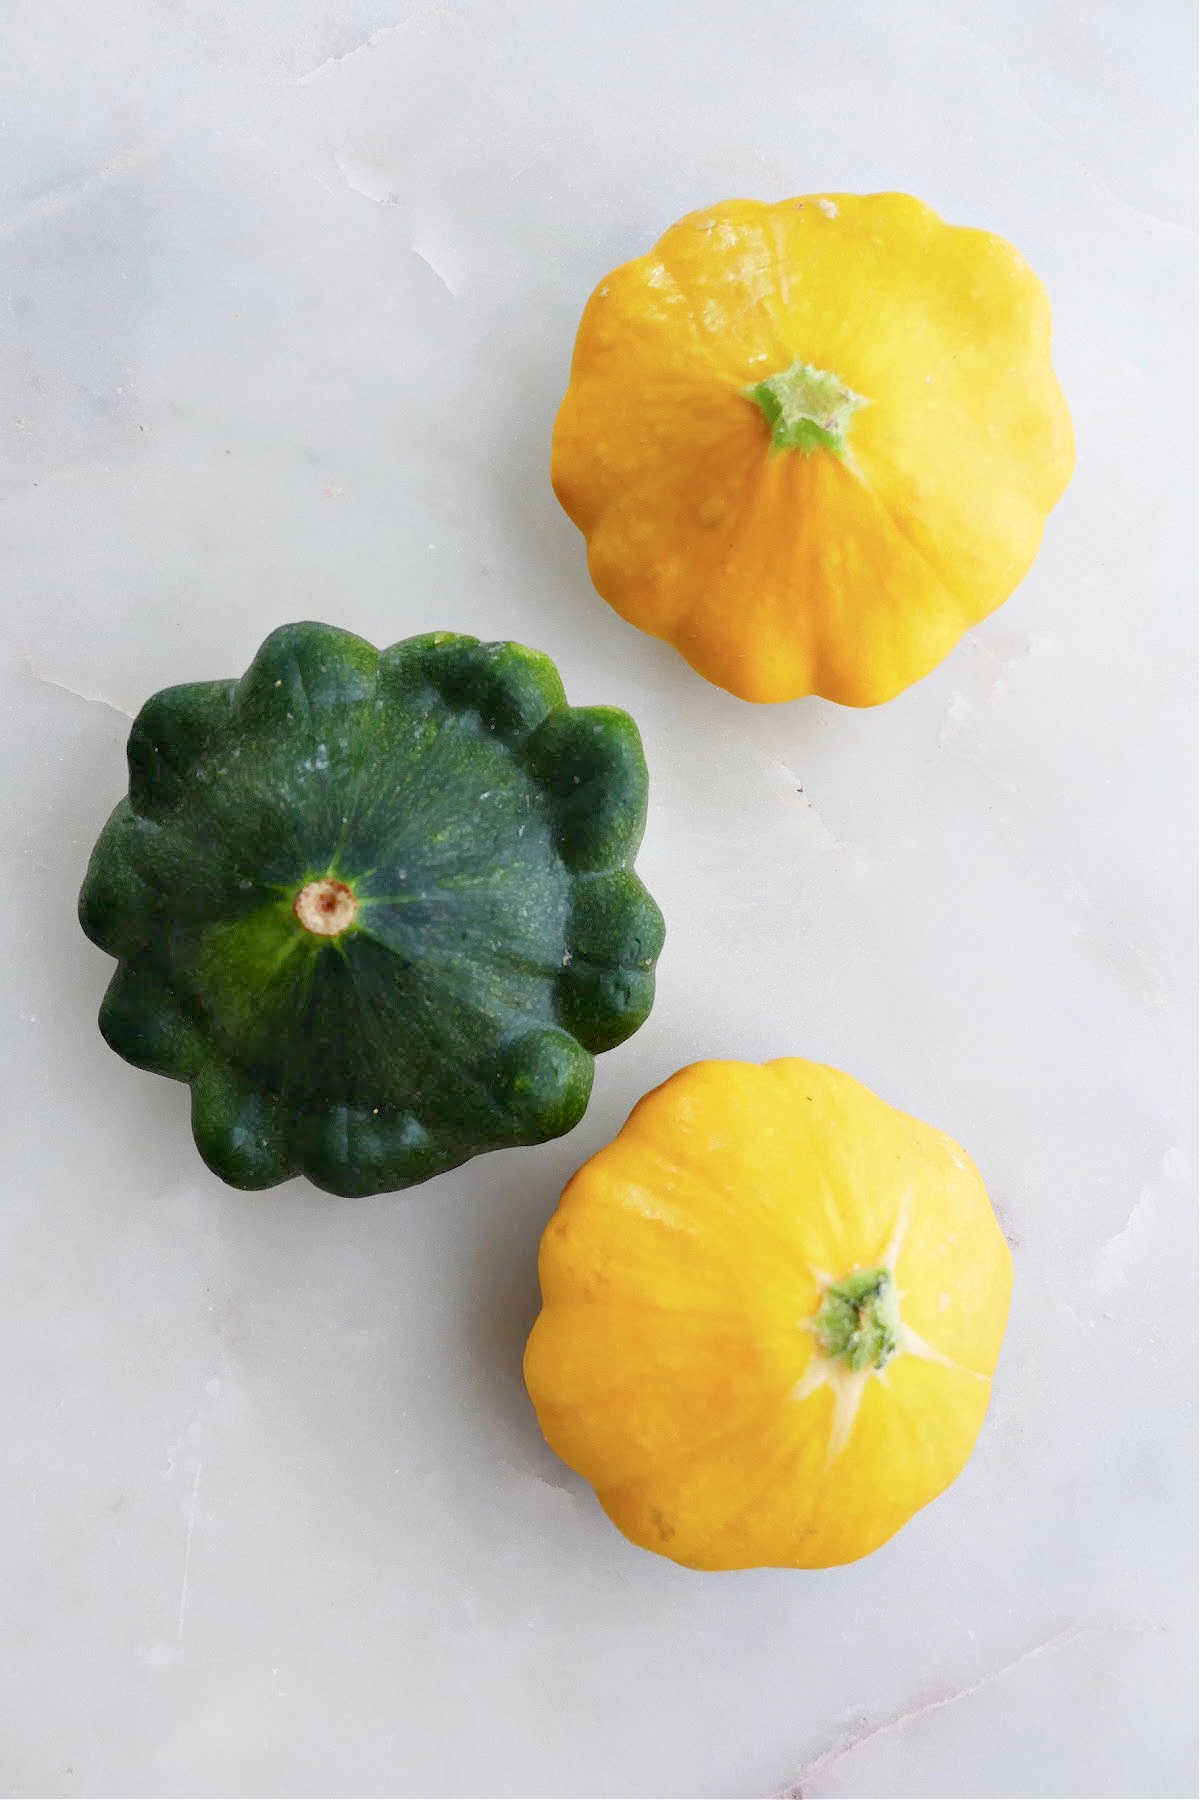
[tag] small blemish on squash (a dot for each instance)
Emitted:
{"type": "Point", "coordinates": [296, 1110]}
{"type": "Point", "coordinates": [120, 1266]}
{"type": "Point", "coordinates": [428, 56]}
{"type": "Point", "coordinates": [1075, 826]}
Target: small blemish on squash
{"type": "Point", "coordinates": [829, 208]}
{"type": "Point", "coordinates": [662, 1525]}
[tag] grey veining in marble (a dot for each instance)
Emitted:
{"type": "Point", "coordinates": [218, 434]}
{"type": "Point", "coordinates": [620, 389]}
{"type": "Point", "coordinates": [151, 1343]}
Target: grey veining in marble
{"type": "Point", "coordinates": [290, 292]}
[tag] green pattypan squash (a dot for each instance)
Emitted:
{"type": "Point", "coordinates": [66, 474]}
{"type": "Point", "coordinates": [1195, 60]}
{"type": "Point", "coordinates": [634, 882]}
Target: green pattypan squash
{"type": "Point", "coordinates": [376, 907]}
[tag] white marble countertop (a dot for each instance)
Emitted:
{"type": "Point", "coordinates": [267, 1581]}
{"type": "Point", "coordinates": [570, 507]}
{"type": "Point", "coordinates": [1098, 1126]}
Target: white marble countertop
{"type": "Point", "coordinates": [292, 286]}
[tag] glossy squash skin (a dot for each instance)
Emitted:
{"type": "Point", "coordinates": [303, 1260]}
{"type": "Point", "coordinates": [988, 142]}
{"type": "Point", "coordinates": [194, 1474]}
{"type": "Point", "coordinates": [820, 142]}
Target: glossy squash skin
{"type": "Point", "coordinates": [811, 443]}
{"type": "Point", "coordinates": [377, 908]}
{"type": "Point", "coordinates": [771, 1309]}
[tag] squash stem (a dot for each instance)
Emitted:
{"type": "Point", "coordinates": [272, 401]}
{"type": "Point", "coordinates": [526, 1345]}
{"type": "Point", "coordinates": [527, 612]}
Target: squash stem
{"type": "Point", "coordinates": [807, 409]}
{"type": "Point", "coordinates": [325, 907]}
{"type": "Point", "coordinates": [859, 1320]}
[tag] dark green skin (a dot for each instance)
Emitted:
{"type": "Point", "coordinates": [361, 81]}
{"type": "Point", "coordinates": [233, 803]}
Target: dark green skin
{"type": "Point", "coordinates": [487, 831]}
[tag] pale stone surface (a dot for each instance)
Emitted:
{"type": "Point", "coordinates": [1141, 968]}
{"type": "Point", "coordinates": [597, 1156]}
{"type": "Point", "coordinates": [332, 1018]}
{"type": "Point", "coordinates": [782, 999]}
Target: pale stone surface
{"type": "Point", "coordinates": [292, 292]}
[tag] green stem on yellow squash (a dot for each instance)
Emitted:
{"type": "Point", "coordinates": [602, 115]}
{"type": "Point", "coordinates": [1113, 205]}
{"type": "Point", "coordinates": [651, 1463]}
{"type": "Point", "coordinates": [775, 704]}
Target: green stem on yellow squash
{"type": "Point", "coordinates": [859, 1320]}
{"type": "Point", "coordinates": [807, 409]}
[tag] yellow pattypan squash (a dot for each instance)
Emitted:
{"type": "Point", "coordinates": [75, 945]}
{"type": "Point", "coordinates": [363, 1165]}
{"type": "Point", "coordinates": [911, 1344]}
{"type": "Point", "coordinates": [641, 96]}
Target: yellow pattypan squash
{"type": "Point", "coordinates": [810, 443]}
{"type": "Point", "coordinates": [771, 1308]}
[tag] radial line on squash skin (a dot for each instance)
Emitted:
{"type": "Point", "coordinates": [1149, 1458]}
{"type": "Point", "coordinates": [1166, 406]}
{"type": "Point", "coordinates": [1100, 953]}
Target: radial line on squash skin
{"type": "Point", "coordinates": [709, 342]}
{"type": "Point", "coordinates": [761, 231]}
{"type": "Point", "coordinates": [779, 350]}
{"type": "Point", "coordinates": [892, 1248]}
{"type": "Point", "coordinates": [483, 948]}
{"type": "Point", "coordinates": [353, 755]}
{"type": "Point", "coordinates": [783, 269]}
{"type": "Point", "coordinates": [482, 943]}
{"type": "Point", "coordinates": [641, 1305]}
{"type": "Point", "coordinates": [749, 1502]}
{"type": "Point", "coordinates": [450, 1073]}
{"type": "Point", "coordinates": [745, 1425]}
{"type": "Point", "coordinates": [706, 587]}
{"type": "Point", "coordinates": [731, 1206]}
{"type": "Point", "coordinates": [675, 607]}
{"type": "Point", "coordinates": [650, 269]}
{"type": "Point", "coordinates": [694, 1174]}
{"type": "Point", "coordinates": [744, 499]}
{"type": "Point", "coordinates": [886, 1259]}
{"type": "Point", "coordinates": [911, 1342]}
{"type": "Point", "coordinates": [786, 570]}
{"type": "Point", "coordinates": [848, 1385]}
{"type": "Point", "coordinates": [791, 565]}
{"type": "Point", "coordinates": [351, 815]}
{"type": "Point", "coordinates": [914, 1345]}
{"type": "Point", "coordinates": [962, 606]}
{"type": "Point", "coordinates": [742, 1302]}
